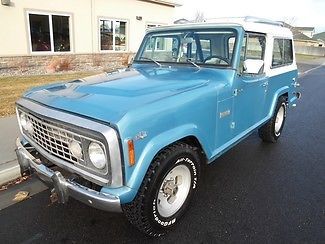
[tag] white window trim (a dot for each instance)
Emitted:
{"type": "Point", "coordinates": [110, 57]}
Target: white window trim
{"type": "Point", "coordinates": [49, 14]}
{"type": "Point", "coordinates": [281, 69]}
{"type": "Point", "coordinates": [126, 33]}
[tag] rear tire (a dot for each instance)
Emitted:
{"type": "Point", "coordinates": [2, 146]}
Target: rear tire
{"type": "Point", "coordinates": [166, 190]}
{"type": "Point", "coordinates": [271, 131]}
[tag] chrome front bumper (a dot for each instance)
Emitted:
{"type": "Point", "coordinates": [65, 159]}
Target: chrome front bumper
{"type": "Point", "coordinates": [65, 188]}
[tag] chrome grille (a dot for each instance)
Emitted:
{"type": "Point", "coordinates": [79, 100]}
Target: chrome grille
{"type": "Point", "coordinates": [53, 138]}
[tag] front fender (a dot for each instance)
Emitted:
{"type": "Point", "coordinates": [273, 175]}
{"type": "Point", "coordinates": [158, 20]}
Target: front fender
{"type": "Point", "coordinates": [153, 147]}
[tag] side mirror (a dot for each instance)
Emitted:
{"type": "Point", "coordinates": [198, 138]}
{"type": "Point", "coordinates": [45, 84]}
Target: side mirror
{"type": "Point", "coordinates": [253, 66]}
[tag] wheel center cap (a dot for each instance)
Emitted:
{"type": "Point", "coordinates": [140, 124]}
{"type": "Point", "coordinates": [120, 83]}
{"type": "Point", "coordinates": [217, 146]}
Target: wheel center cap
{"type": "Point", "coordinates": [170, 188]}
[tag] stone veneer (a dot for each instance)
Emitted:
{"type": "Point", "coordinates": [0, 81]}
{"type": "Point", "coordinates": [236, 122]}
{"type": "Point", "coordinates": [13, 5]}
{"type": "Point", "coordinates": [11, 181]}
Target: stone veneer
{"type": "Point", "coordinates": [42, 64]}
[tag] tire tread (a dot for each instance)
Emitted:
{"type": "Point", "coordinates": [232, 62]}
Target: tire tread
{"type": "Point", "coordinates": [266, 132]}
{"type": "Point", "coordinates": [135, 210]}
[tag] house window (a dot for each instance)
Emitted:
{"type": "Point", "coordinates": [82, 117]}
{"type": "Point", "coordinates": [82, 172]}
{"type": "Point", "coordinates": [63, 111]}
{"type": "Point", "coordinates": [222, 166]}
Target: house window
{"type": "Point", "coordinates": [49, 33]}
{"type": "Point", "coordinates": [112, 35]}
{"type": "Point", "coordinates": [159, 42]}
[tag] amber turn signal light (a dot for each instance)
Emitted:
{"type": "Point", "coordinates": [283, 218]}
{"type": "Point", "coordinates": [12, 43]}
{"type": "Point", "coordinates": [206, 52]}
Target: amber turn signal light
{"type": "Point", "coordinates": [131, 152]}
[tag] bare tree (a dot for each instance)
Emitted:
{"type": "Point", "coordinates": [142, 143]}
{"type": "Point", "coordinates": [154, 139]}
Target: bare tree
{"type": "Point", "coordinates": [199, 16]}
{"type": "Point", "coordinates": [290, 21]}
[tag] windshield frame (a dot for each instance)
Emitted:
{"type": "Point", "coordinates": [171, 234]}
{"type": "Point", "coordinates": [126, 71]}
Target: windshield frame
{"type": "Point", "coordinates": [138, 60]}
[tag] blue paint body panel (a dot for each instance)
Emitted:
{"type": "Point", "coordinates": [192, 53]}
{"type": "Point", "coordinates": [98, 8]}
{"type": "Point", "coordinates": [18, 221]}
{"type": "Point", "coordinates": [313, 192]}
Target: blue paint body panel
{"type": "Point", "coordinates": [216, 105]}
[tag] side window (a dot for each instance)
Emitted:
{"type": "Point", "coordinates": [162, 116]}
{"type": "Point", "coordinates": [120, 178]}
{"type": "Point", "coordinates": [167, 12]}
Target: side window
{"type": "Point", "coordinates": [255, 47]}
{"type": "Point", "coordinates": [277, 59]}
{"type": "Point", "coordinates": [231, 43]}
{"type": "Point", "coordinates": [288, 54]}
{"type": "Point", "coordinates": [282, 52]}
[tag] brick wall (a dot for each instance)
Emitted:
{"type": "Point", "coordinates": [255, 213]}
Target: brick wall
{"type": "Point", "coordinates": [42, 64]}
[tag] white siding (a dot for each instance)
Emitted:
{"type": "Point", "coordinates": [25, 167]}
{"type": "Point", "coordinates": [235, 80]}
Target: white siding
{"type": "Point", "coordinates": [85, 14]}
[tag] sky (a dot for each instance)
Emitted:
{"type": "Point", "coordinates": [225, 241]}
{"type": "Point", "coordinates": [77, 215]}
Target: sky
{"type": "Point", "coordinates": [297, 13]}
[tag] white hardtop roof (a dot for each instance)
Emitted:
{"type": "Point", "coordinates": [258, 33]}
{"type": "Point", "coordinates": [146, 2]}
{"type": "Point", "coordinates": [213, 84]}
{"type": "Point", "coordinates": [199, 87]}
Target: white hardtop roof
{"type": "Point", "coordinates": [250, 24]}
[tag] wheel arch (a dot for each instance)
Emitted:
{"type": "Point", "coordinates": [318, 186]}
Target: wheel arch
{"type": "Point", "coordinates": [283, 91]}
{"type": "Point", "coordinates": [189, 136]}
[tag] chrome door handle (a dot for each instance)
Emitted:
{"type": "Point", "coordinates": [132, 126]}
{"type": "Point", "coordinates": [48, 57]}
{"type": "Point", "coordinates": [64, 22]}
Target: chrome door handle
{"type": "Point", "coordinates": [237, 91]}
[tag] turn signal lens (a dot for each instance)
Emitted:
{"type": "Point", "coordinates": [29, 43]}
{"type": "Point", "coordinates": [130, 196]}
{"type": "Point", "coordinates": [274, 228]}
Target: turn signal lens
{"type": "Point", "coordinates": [131, 152]}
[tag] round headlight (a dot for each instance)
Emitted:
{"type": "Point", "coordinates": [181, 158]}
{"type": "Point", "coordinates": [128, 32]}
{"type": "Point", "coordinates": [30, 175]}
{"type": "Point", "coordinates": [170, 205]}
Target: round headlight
{"type": "Point", "coordinates": [23, 120]}
{"type": "Point", "coordinates": [75, 149]}
{"type": "Point", "coordinates": [29, 127]}
{"type": "Point", "coordinates": [97, 155]}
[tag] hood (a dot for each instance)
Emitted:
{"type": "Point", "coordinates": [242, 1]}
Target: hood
{"type": "Point", "coordinates": [109, 96]}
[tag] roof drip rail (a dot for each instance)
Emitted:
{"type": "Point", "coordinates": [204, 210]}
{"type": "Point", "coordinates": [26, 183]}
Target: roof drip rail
{"type": "Point", "coordinates": [262, 21]}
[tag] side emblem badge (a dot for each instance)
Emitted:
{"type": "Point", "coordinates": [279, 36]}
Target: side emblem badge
{"type": "Point", "coordinates": [141, 135]}
{"type": "Point", "coordinates": [224, 114]}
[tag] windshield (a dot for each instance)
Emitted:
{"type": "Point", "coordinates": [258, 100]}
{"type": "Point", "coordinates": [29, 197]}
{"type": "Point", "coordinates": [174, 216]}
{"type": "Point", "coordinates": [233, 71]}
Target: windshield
{"type": "Point", "coordinates": [202, 47]}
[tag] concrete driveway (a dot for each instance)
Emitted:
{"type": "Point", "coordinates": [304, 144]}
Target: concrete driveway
{"type": "Point", "coordinates": [9, 131]}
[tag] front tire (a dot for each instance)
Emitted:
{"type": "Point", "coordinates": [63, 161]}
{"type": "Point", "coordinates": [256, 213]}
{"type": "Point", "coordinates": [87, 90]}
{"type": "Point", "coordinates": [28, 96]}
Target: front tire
{"type": "Point", "coordinates": [271, 131]}
{"type": "Point", "coordinates": [166, 190]}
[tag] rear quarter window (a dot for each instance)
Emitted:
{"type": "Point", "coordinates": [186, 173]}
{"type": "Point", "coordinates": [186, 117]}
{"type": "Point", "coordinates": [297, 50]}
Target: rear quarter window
{"type": "Point", "coordinates": [282, 52]}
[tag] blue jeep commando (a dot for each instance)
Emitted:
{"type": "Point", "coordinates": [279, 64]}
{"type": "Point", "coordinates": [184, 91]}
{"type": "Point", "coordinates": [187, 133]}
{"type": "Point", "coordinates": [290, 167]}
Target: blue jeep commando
{"type": "Point", "coordinates": [133, 141]}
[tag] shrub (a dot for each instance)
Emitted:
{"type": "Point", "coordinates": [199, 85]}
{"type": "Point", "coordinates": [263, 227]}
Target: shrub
{"type": "Point", "coordinates": [59, 64]}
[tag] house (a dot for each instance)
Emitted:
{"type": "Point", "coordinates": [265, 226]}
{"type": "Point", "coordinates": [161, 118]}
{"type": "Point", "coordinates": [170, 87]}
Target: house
{"type": "Point", "coordinates": [301, 36]}
{"type": "Point", "coordinates": [320, 38]}
{"type": "Point", "coordinates": [301, 39]}
{"type": "Point", "coordinates": [308, 31]}
{"type": "Point", "coordinates": [92, 32]}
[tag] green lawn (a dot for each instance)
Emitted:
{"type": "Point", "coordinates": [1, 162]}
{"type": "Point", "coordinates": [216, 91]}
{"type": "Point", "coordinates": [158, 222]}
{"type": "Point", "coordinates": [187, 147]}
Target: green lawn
{"type": "Point", "coordinates": [13, 87]}
{"type": "Point", "coordinates": [303, 57]}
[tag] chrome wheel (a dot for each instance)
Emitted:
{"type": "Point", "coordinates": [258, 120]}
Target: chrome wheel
{"type": "Point", "coordinates": [279, 119]}
{"type": "Point", "coordinates": [174, 190]}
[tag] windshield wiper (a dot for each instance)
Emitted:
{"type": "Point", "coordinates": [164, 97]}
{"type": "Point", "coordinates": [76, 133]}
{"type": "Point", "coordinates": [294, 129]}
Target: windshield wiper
{"type": "Point", "coordinates": [191, 62]}
{"type": "Point", "coordinates": [150, 59]}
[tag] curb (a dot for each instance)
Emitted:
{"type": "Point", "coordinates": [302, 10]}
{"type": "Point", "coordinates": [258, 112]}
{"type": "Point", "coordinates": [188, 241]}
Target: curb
{"type": "Point", "coordinates": [9, 171]}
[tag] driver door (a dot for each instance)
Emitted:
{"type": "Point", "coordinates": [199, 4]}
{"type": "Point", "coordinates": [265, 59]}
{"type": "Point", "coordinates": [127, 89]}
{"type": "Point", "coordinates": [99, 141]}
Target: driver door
{"type": "Point", "coordinates": [250, 89]}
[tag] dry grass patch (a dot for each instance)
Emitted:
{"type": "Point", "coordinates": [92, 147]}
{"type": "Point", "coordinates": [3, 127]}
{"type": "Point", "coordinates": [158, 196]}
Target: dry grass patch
{"type": "Point", "coordinates": [13, 87]}
{"type": "Point", "coordinates": [303, 57]}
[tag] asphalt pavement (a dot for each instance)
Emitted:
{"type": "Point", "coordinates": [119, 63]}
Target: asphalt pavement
{"type": "Point", "coordinates": [254, 193]}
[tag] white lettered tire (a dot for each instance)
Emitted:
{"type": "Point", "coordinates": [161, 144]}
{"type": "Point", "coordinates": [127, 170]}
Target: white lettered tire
{"type": "Point", "coordinates": [271, 131]}
{"type": "Point", "coordinates": [166, 191]}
